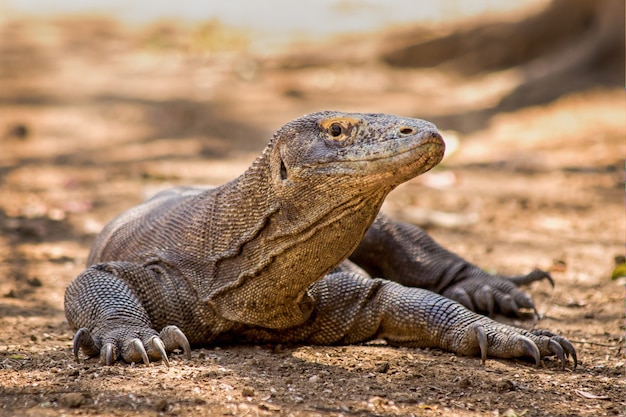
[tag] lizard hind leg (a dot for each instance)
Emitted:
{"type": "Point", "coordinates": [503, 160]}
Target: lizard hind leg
{"type": "Point", "coordinates": [352, 309]}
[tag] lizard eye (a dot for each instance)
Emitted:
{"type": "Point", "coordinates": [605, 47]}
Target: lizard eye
{"type": "Point", "coordinates": [335, 130]}
{"type": "Point", "coordinates": [339, 130]}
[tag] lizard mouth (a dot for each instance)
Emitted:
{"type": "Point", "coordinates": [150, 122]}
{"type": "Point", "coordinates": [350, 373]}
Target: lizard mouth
{"type": "Point", "coordinates": [432, 142]}
{"type": "Point", "coordinates": [416, 160]}
{"type": "Point", "coordinates": [406, 159]}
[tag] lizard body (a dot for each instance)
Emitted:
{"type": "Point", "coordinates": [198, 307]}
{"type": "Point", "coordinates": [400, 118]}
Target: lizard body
{"type": "Point", "coordinates": [264, 258]}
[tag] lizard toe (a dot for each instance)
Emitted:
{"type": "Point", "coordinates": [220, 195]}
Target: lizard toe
{"type": "Point", "coordinates": [567, 347]}
{"type": "Point", "coordinates": [480, 338]}
{"type": "Point", "coordinates": [134, 351]}
{"type": "Point", "coordinates": [156, 350]}
{"type": "Point", "coordinates": [556, 348]}
{"type": "Point", "coordinates": [174, 338]}
{"type": "Point", "coordinates": [528, 348]}
{"type": "Point", "coordinates": [507, 304]}
{"type": "Point", "coordinates": [83, 340]}
{"type": "Point", "coordinates": [484, 300]}
{"type": "Point", "coordinates": [524, 300]}
{"type": "Point", "coordinates": [108, 354]}
{"type": "Point", "coordinates": [533, 276]}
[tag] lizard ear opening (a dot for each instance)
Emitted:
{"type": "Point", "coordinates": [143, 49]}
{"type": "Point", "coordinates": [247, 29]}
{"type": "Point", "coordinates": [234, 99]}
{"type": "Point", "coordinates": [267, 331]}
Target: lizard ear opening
{"type": "Point", "coordinates": [283, 170]}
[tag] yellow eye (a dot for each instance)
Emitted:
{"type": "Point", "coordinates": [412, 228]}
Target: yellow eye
{"type": "Point", "coordinates": [339, 128]}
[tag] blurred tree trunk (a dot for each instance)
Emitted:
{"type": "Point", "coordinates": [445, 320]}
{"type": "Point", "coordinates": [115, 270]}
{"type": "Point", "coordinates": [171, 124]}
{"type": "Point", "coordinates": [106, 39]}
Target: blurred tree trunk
{"type": "Point", "coordinates": [571, 45]}
{"type": "Point", "coordinates": [584, 34]}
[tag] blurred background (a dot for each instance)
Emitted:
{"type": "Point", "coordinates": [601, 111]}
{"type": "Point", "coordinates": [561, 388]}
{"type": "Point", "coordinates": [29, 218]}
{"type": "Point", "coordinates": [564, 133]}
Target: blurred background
{"type": "Point", "coordinates": [170, 86]}
{"type": "Point", "coordinates": [102, 103]}
{"type": "Point", "coordinates": [458, 62]}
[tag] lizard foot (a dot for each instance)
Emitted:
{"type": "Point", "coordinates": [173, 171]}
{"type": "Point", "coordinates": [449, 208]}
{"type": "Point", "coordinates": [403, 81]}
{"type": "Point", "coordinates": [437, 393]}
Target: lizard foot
{"type": "Point", "coordinates": [133, 349]}
{"type": "Point", "coordinates": [493, 339]}
{"type": "Point", "coordinates": [558, 345]}
{"type": "Point", "coordinates": [489, 294]}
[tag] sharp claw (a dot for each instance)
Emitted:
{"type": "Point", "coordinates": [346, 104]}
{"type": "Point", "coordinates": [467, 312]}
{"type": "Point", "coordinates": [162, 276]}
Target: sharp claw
{"type": "Point", "coordinates": [158, 345]}
{"type": "Point", "coordinates": [548, 277]}
{"type": "Point", "coordinates": [80, 334]}
{"type": "Point", "coordinates": [83, 339]}
{"type": "Point", "coordinates": [174, 334]}
{"type": "Point", "coordinates": [138, 345]}
{"type": "Point", "coordinates": [568, 348]}
{"type": "Point", "coordinates": [483, 343]}
{"type": "Point", "coordinates": [184, 343]}
{"type": "Point", "coordinates": [531, 349]}
{"type": "Point", "coordinates": [558, 351]}
{"type": "Point", "coordinates": [109, 355]}
{"type": "Point", "coordinates": [536, 275]}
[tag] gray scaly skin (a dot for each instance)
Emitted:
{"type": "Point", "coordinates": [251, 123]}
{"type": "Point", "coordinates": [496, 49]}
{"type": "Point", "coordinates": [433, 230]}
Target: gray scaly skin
{"type": "Point", "coordinates": [264, 258]}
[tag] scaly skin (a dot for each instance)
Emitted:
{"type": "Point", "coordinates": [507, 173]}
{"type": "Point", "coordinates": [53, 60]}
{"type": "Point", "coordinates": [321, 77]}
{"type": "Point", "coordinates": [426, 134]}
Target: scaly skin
{"type": "Point", "coordinates": [264, 258]}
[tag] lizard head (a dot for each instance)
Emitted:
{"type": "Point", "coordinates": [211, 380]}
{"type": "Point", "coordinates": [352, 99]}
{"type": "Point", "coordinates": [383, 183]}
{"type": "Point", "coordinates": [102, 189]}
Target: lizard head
{"type": "Point", "coordinates": [377, 150]}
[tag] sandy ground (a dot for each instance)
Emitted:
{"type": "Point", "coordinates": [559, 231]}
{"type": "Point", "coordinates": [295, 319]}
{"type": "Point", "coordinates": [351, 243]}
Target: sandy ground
{"type": "Point", "coordinates": [95, 117]}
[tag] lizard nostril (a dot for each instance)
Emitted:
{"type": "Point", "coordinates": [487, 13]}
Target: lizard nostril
{"type": "Point", "coordinates": [407, 131]}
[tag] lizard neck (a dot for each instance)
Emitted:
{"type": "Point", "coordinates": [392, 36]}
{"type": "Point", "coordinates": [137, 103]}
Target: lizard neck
{"type": "Point", "coordinates": [279, 239]}
{"type": "Point", "coordinates": [239, 209]}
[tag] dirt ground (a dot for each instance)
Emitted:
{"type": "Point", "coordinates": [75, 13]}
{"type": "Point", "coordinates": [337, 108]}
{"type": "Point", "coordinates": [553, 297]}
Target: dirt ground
{"type": "Point", "coordinates": [95, 116]}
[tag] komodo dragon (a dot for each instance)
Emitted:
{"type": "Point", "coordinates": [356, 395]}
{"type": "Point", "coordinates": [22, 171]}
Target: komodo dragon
{"type": "Point", "coordinates": [286, 253]}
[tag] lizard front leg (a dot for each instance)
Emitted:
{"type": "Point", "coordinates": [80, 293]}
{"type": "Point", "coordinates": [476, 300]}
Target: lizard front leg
{"type": "Point", "coordinates": [406, 254]}
{"type": "Point", "coordinates": [351, 308]}
{"type": "Point", "coordinates": [108, 306]}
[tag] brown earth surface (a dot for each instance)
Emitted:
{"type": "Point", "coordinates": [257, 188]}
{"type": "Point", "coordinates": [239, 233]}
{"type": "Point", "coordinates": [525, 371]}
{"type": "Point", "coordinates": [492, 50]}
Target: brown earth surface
{"type": "Point", "coordinates": [95, 116]}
